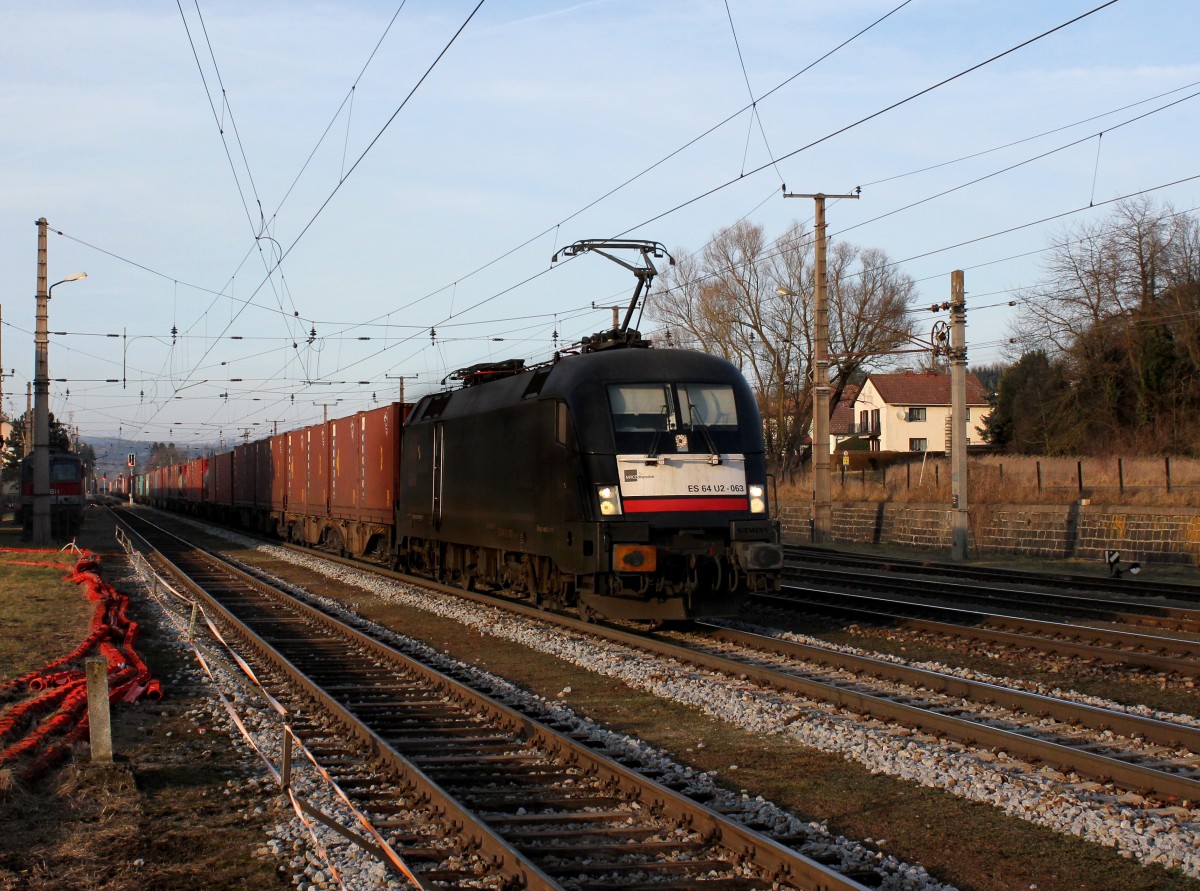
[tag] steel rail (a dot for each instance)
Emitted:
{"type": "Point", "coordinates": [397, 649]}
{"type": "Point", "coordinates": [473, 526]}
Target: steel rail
{"type": "Point", "coordinates": [743, 843]}
{"type": "Point", "coordinates": [1140, 586]}
{"type": "Point", "coordinates": [1091, 764]}
{"type": "Point", "coordinates": [972, 732]}
{"type": "Point", "coordinates": [1012, 630]}
{"type": "Point", "coordinates": [1117, 611]}
{"type": "Point", "coordinates": [1154, 730]}
{"type": "Point", "coordinates": [1096, 765]}
{"type": "Point", "coordinates": [510, 864]}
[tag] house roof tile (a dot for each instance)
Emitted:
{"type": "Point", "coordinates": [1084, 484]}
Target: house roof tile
{"type": "Point", "coordinates": [924, 388]}
{"type": "Point", "coordinates": [841, 420]}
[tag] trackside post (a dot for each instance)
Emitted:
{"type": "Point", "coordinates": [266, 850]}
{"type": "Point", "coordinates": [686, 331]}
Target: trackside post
{"type": "Point", "coordinates": [99, 722]}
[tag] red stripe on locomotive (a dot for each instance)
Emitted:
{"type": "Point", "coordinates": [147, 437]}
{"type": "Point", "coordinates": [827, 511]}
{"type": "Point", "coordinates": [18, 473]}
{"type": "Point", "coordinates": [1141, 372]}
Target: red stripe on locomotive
{"type": "Point", "coordinates": [689, 503]}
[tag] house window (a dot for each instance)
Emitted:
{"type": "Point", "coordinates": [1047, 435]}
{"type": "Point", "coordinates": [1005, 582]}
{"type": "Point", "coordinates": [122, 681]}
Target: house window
{"type": "Point", "coordinates": [918, 445]}
{"type": "Point", "coordinates": [968, 414]}
{"type": "Point", "coordinates": [916, 413]}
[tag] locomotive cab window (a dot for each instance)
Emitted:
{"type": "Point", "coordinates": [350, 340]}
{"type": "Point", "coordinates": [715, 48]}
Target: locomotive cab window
{"type": "Point", "coordinates": [64, 472]}
{"type": "Point", "coordinates": [642, 408]}
{"type": "Point", "coordinates": [643, 415]}
{"type": "Point", "coordinates": [710, 405]}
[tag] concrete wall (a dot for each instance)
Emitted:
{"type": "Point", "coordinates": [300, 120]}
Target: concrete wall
{"type": "Point", "coordinates": [1169, 535]}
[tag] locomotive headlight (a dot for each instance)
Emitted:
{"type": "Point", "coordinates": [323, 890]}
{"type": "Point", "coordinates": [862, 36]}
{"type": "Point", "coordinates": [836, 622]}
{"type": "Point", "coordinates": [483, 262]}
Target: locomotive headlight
{"type": "Point", "coordinates": [758, 500]}
{"type": "Point", "coordinates": [610, 500]}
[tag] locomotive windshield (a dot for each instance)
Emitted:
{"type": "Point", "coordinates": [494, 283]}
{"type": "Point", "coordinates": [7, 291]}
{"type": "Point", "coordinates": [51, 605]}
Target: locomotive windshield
{"type": "Point", "coordinates": [656, 418]}
{"type": "Point", "coordinates": [65, 472]}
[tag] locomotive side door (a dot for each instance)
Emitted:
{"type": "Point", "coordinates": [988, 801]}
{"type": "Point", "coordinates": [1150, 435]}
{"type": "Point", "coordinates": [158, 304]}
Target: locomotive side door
{"type": "Point", "coordinates": [439, 457]}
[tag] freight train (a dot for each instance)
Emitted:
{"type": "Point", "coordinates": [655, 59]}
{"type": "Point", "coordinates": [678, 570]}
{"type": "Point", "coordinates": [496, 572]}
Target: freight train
{"type": "Point", "coordinates": [617, 479]}
{"type": "Point", "coordinates": [623, 480]}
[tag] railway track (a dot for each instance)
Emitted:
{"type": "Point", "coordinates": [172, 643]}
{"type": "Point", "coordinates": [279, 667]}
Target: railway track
{"type": "Point", "coordinates": [1167, 654]}
{"type": "Point", "coordinates": [517, 803]}
{"type": "Point", "coordinates": [1123, 585]}
{"type": "Point", "coordinates": [1136, 613]}
{"type": "Point", "coordinates": [1137, 752]}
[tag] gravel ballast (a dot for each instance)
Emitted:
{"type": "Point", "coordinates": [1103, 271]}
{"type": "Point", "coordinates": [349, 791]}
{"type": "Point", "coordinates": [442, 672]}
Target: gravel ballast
{"type": "Point", "coordinates": [1169, 836]}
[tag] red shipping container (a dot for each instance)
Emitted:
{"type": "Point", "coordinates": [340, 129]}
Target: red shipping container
{"type": "Point", "coordinates": [379, 434]}
{"type": "Point", "coordinates": [297, 465]}
{"type": "Point", "coordinates": [243, 475]}
{"type": "Point", "coordinates": [196, 480]}
{"type": "Point", "coordinates": [280, 472]}
{"type": "Point", "coordinates": [345, 468]}
{"type": "Point", "coordinates": [316, 470]}
{"type": "Point", "coordinates": [219, 484]}
{"type": "Point", "coordinates": [308, 471]}
{"type": "Point", "coordinates": [364, 456]}
{"type": "Point", "coordinates": [260, 452]}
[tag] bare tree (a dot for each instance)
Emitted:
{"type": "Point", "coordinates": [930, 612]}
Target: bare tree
{"type": "Point", "coordinates": [1121, 310]}
{"type": "Point", "coordinates": [752, 302]}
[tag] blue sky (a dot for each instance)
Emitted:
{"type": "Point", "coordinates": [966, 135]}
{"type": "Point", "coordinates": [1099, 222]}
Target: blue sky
{"type": "Point", "coordinates": [437, 243]}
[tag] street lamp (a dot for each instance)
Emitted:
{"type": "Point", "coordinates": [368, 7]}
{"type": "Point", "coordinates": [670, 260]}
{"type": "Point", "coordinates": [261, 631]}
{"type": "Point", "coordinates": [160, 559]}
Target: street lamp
{"type": "Point", "coordinates": [41, 392]}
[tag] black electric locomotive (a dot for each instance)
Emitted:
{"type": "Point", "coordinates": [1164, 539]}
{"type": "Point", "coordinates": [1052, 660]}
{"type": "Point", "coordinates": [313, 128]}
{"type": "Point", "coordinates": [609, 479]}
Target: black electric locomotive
{"type": "Point", "coordinates": [624, 480]}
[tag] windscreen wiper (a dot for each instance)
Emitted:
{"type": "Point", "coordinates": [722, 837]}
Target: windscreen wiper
{"type": "Point", "coordinates": [715, 457]}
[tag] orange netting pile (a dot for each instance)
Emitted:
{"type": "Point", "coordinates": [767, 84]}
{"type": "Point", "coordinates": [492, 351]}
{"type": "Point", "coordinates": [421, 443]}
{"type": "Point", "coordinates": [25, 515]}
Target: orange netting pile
{"type": "Point", "coordinates": [36, 732]}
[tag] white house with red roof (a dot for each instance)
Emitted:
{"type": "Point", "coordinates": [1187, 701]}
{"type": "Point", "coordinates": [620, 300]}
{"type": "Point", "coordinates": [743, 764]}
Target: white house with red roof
{"type": "Point", "coordinates": [842, 424]}
{"type": "Point", "coordinates": [910, 411]}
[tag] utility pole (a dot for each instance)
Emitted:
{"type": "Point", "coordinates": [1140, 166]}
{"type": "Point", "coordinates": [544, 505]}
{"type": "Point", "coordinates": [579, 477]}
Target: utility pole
{"type": "Point", "coordinates": [402, 378]}
{"type": "Point", "coordinates": [958, 414]}
{"type": "Point", "coordinates": [41, 394]}
{"type": "Point", "coordinates": [615, 311]}
{"type": "Point", "coordinates": [41, 401]}
{"type": "Point", "coordinates": [822, 508]}
{"type": "Point", "coordinates": [28, 418]}
{"type": "Point", "coordinates": [325, 406]}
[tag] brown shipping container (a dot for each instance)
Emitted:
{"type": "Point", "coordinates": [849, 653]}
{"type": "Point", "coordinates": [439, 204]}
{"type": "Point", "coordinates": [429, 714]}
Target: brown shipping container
{"type": "Point", "coordinates": [278, 456]}
{"type": "Point", "coordinates": [260, 452]}
{"type": "Point", "coordinates": [379, 435]}
{"type": "Point", "coordinates": [316, 470]}
{"type": "Point", "coordinates": [345, 468]}
{"type": "Point", "coordinates": [297, 462]}
{"type": "Point", "coordinates": [308, 471]}
{"type": "Point", "coordinates": [364, 450]}
{"type": "Point", "coordinates": [196, 484]}
{"type": "Point", "coordinates": [243, 476]}
{"type": "Point", "coordinates": [219, 486]}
